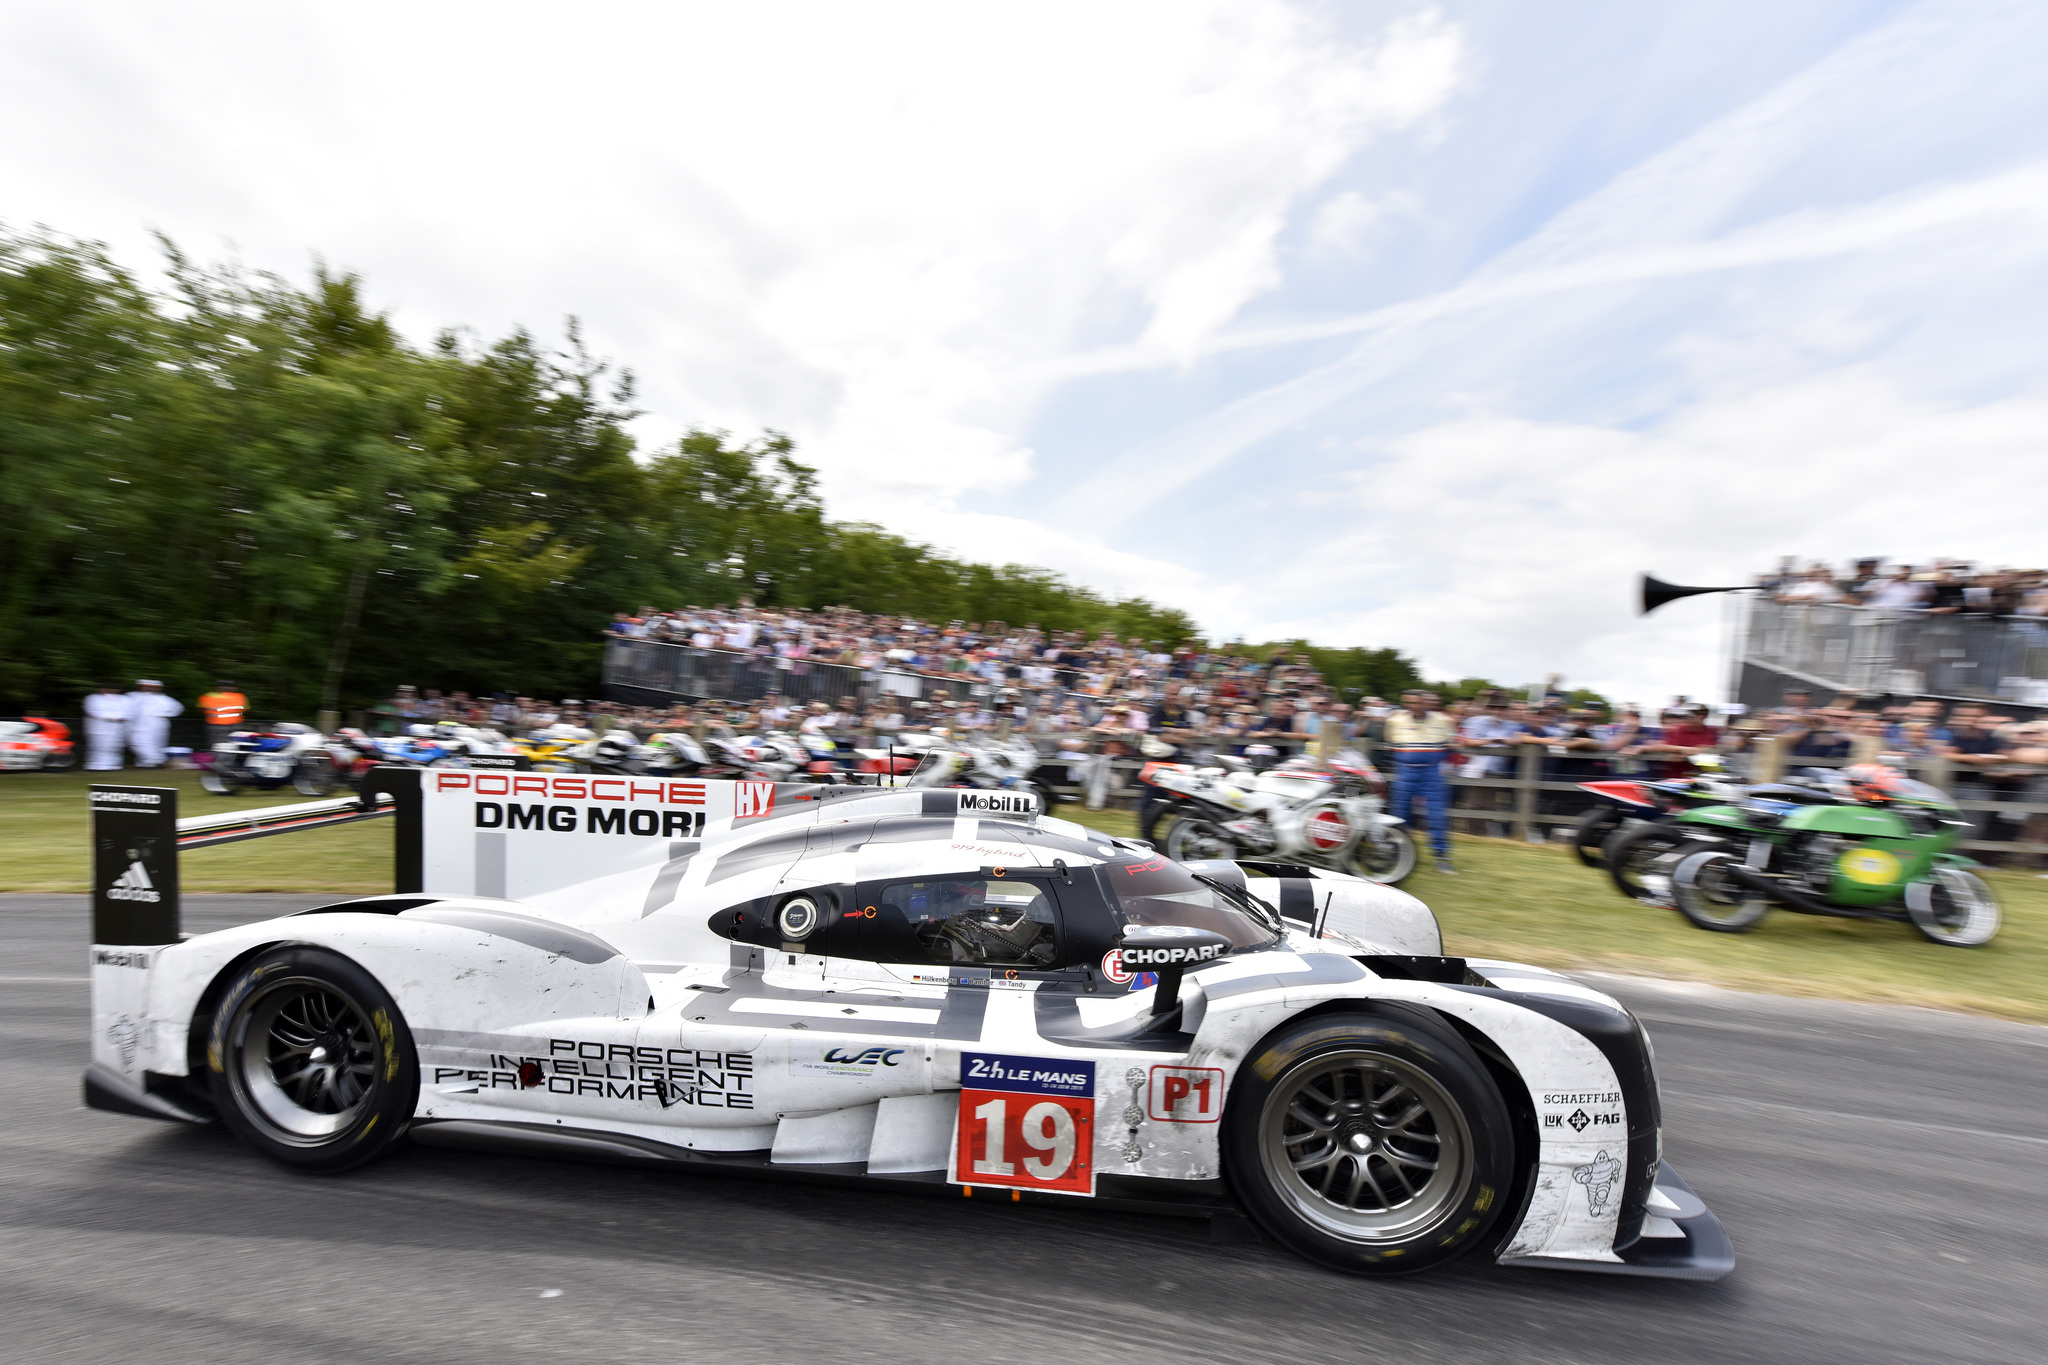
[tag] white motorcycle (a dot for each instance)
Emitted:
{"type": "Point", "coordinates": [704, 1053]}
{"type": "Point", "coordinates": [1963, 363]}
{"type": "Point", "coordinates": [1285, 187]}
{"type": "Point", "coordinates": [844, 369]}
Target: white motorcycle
{"type": "Point", "coordinates": [1305, 811]}
{"type": "Point", "coordinates": [988, 764]}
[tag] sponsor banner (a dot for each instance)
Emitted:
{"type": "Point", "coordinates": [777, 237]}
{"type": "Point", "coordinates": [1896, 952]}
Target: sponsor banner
{"type": "Point", "coordinates": [134, 865]}
{"type": "Point", "coordinates": [517, 834]}
{"type": "Point", "coordinates": [998, 803]}
{"type": "Point", "coordinates": [655, 1077]}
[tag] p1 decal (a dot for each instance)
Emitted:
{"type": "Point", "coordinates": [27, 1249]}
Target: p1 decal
{"type": "Point", "coordinates": [1026, 1122]}
{"type": "Point", "coordinates": [752, 799]}
{"type": "Point", "coordinates": [1185, 1094]}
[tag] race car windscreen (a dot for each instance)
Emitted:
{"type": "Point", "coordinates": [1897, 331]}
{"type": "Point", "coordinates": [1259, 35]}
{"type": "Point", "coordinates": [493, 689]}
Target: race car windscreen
{"type": "Point", "coordinates": [1155, 890]}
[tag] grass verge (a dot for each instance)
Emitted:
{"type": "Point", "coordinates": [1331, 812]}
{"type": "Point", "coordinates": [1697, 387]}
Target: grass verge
{"type": "Point", "coordinates": [1528, 903]}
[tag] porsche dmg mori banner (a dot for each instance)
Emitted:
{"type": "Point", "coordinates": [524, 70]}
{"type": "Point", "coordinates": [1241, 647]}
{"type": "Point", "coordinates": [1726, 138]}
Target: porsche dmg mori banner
{"type": "Point", "coordinates": [134, 865]}
{"type": "Point", "coordinates": [512, 834]}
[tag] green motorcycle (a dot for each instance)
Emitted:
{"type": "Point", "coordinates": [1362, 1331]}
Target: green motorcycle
{"type": "Point", "coordinates": [1869, 843]}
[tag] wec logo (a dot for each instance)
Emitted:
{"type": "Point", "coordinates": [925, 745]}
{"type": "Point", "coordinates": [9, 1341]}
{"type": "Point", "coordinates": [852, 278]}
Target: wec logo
{"type": "Point", "coordinates": [874, 1056]}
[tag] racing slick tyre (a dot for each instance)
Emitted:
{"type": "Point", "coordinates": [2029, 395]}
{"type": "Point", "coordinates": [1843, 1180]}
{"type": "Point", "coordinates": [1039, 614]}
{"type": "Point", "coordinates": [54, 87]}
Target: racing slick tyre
{"type": "Point", "coordinates": [57, 763]}
{"type": "Point", "coordinates": [1374, 1143]}
{"type": "Point", "coordinates": [1386, 855]}
{"type": "Point", "coordinates": [1590, 835]}
{"type": "Point", "coordinates": [1630, 856]}
{"type": "Point", "coordinates": [1712, 899]}
{"type": "Point", "coordinates": [1955, 908]}
{"type": "Point", "coordinates": [310, 1062]}
{"type": "Point", "coordinates": [1193, 838]}
{"type": "Point", "coordinates": [314, 776]}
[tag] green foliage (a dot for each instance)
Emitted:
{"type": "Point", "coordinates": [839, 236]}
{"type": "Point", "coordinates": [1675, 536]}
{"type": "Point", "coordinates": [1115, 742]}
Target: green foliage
{"type": "Point", "coordinates": [253, 479]}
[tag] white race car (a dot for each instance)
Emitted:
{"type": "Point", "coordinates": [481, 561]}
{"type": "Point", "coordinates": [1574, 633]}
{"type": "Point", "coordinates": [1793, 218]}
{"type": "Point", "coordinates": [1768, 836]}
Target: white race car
{"type": "Point", "coordinates": [938, 988]}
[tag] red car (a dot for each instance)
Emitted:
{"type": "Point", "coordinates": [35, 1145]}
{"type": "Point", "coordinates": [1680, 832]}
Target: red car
{"type": "Point", "coordinates": [35, 742]}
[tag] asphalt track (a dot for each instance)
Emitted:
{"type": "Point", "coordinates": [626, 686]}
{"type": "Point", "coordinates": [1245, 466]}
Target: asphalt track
{"type": "Point", "coordinates": [1884, 1174]}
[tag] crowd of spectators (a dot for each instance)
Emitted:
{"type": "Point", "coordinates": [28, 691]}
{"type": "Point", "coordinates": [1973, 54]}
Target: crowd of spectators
{"type": "Point", "coordinates": [1942, 587]}
{"type": "Point", "coordinates": [1097, 695]}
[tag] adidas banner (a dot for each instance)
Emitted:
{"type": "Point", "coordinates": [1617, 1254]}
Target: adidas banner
{"type": "Point", "coordinates": [134, 865]}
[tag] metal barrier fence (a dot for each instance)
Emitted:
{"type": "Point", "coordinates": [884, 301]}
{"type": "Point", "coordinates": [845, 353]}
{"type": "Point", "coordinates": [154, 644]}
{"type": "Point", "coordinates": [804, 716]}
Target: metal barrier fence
{"type": "Point", "coordinates": [655, 673]}
{"type": "Point", "coordinates": [1867, 649]}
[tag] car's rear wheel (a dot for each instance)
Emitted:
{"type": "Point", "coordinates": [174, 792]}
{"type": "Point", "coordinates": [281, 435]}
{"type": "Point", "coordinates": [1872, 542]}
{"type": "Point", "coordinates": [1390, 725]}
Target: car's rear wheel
{"type": "Point", "coordinates": [1373, 1143]}
{"type": "Point", "coordinates": [59, 761]}
{"type": "Point", "coordinates": [310, 1061]}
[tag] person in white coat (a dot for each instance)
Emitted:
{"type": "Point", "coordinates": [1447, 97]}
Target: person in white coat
{"type": "Point", "coordinates": [106, 729]}
{"type": "Point", "coordinates": [149, 721]}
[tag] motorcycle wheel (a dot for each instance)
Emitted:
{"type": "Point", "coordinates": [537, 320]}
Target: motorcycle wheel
{"type": "Point", "coordinates": [314, 776]}
{"type": "Point", "coordinates": [1163, 812]}
{"type": "Point", "coordinates": [1954, 908]}
{"type": "Point", "coordinates": [1590, 835]}
{"type": "Point", "coordinates": [1710, 898]}
{"type": "Point", "coordinates": [1629, 856]}
{"type": "Point", "coordinates": [1047, 797]}
{"type": "Point", "coordinates": [1386, 855]}
{"type": "Point", "coordinates": [1194, 839]}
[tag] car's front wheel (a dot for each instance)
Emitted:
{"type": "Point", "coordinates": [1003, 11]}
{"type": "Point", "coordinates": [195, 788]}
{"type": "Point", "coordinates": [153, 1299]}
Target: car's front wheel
{"type": "Point", "coordinates": [310, 1062]}
{"type": "Point", "coordinates": [1374, 1143]}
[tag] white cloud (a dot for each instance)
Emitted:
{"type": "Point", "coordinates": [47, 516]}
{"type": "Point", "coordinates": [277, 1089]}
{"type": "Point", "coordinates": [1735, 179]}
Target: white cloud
{"type": "Point", "coordinates": [855, 223]}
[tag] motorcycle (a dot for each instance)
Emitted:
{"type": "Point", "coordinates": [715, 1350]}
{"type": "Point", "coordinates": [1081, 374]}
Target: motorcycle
{"type": "Point", "coordinates": [269, 758]}
{"type": "Point", "coordinates": [1303, 811]}
{"type": "Point", "coordinates": [987, 764]}
{"type": "Point", "coordinates": [1868, 843]}
{"type": "Point", "coordinates": [1634, 799]}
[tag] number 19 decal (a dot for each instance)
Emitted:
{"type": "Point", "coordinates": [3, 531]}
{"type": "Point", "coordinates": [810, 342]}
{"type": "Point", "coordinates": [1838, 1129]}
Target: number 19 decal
{"type": "Point", "coordinates": [1040, 1135]}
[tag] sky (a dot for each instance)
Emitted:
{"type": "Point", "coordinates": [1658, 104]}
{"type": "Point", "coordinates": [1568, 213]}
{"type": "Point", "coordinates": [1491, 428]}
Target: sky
{"type": "Point", "coordinates": [1392, 324]}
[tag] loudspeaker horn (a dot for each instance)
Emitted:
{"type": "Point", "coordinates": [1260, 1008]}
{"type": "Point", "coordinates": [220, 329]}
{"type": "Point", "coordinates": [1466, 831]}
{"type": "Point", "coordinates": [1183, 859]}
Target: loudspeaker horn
{"type": "Point", "coordinates": [1656, 592]}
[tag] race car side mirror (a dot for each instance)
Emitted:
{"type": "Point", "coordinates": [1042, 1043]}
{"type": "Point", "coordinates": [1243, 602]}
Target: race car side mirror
{"type": "Point", "coordinates": [1168, 949]}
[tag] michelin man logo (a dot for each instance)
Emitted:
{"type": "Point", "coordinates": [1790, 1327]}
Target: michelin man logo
{"type": "Point", "coordinates": [125, 1035]}
{"type": "Point", "coordinates": [1598, 1176]}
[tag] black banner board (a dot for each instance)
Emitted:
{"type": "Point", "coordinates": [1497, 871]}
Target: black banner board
{"type": "Point", "coordinates": [134, 865]}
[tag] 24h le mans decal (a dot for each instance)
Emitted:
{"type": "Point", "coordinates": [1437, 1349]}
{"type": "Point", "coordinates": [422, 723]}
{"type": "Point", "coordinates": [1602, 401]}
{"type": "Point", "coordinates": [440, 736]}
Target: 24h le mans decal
{"type": "Point", "coordinates": [1026, 1122]}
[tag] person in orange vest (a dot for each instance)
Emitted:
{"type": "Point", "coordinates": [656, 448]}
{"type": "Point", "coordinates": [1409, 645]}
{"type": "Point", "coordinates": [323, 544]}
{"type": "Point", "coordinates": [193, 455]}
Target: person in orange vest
{"type": "Point", "coordinates": [224, 709]}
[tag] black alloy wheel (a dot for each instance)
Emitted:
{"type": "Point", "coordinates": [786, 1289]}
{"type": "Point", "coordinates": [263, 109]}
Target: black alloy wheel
{"type": "Point", "coordinates": [310, 1062]}
{"type": "Point", "coordinates": [1375, 1143]}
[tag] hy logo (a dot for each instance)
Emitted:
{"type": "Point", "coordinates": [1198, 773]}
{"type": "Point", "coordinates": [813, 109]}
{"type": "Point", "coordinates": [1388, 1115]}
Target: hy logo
{"type": "Point", "coordinates": [1598, 1176]}
{"type": "Point", "coordinates": [874, 1056]}
{"type": "Point", "coordinates": [752, 799]}
{"type": "Point", "coordinates": [134, 885]}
